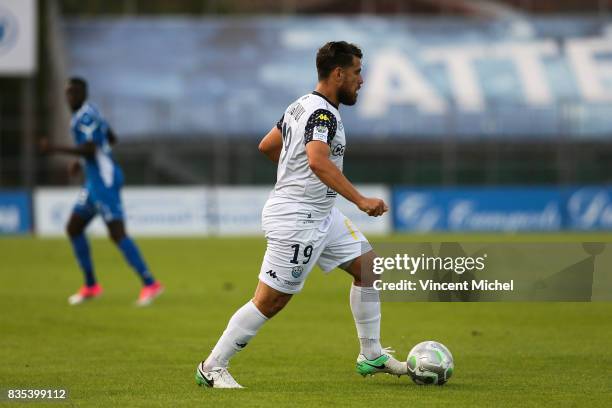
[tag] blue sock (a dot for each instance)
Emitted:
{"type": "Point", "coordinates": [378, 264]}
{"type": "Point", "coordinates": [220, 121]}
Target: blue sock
{"type": "Point", "coordinates": [80, 246]}
{"type": "Point", "coordinates": [132, 255]}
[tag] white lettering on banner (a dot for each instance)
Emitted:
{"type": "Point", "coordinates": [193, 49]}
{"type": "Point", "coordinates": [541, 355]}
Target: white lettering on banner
{"type": "Point", "coordinates": [527, 57]}
{"type": "Point", "coordinates": [591, 73]}
{"type": "Point", "coordinates": [416, 210]}
{"type": "Point", "coordinates": [462, 76]}
{"type": "Point", "coordinates": [463, 216]}
{"type": "Point", "coordinates": [530, 68]}
{"type": "Point", "coordinates": [394, 80]}
{"type": "Point", "coordinates": [9, 218]}
{"type": "Point", "coordinates": [590, 208]}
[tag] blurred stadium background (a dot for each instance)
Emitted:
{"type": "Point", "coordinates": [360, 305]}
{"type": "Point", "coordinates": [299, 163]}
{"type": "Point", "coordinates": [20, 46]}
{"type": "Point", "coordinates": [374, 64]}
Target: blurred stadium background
{"type": "Point", "coordinates": [475, 115]}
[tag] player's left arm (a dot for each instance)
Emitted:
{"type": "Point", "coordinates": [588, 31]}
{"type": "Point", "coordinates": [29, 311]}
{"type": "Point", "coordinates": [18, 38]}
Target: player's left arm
{"type": "Point", "coordinates": [272, 144]}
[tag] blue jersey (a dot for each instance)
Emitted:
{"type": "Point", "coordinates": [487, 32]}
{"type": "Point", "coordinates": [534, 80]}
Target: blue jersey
{"type": "Point", "coordinates": [101, 171]}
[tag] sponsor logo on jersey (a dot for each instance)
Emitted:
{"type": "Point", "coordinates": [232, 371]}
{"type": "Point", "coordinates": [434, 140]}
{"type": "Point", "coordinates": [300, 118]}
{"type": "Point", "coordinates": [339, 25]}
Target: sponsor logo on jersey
{"type": "Point", "coordinates": [290, 283]}
{"type": "Point", "coordinates": [338, 150]}
{"type": "Point", "coordinates": [297, 271]}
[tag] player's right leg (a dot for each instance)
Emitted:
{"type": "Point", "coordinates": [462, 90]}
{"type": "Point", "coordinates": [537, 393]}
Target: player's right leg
{"type": "Point", "coordinates": [242, 326]}
{"type": "Point", "coordinates": [82, 214]}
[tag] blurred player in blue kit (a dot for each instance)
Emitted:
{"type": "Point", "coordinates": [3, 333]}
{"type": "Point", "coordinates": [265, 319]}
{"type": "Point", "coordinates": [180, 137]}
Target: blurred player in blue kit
{"type": "Point", "coordinates": [100, 194]}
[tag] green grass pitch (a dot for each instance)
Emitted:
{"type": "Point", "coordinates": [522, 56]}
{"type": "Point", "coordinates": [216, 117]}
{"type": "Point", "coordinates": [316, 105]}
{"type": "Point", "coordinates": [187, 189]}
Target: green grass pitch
{"type": "Point", "coordinates": [110, 353]}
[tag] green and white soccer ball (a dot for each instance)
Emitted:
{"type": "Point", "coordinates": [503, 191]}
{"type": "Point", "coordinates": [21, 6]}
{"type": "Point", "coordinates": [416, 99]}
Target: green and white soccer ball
{"type": "Point", "coordinates": [430, 362]}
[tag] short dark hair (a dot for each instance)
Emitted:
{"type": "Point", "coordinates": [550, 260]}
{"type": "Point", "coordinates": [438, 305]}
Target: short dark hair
{"type": "Point", "coordinates": [80, 82]}
{"type": "Point", "coordinates": [335, 54]}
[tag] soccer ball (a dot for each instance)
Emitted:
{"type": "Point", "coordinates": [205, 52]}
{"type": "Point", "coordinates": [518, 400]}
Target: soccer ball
{"type": "Point", "coordinates": [430, 362]}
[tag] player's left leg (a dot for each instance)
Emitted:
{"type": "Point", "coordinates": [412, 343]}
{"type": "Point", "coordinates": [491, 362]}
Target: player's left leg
{"type": "Point", "coordinates": [151, 288]}
{"type": "Point", "coordinates": [107, 200]}
{"type": "Point", "coordinates": [348, 249]}
{"type": "Point", "coordinates": [365, 306]}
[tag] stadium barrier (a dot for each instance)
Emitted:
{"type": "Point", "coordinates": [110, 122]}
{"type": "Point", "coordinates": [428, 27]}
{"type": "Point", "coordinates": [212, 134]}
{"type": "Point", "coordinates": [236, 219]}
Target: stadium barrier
{"type": "Point", "coordinates": [504, 209]}
{"type": "Point", "coordinates": [232, 211]}
{"type": "Point", "coordinates": [15, 214]}
{"type": "Point", "coordinates": [188, 211]}
{"type": "Point", "coordinates": [149, 211]}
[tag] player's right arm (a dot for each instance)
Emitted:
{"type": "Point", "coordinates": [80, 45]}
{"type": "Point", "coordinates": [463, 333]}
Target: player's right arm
{"type": "Point", "coordinates": [87, 149]}
{"type": "Point", "coordinates": [75, 168]}
{"type": "Point", "coordinates": [87, 135]}
{"type": "Point", "coordinates": [331, 176]}
{"type": "Point", "coordinates": [112, 137]}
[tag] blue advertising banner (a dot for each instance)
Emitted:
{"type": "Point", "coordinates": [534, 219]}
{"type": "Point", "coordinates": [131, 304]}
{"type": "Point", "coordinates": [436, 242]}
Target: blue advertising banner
{"type": "Point", "coordinates": [477, 209]}
{"type": "Point", "coordinates": [15, 212]}
{"type": "Point", "coordinates": [589, 208]}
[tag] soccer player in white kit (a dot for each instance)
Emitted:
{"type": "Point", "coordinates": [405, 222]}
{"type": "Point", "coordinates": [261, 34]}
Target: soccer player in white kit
{"type": "Point", "coordinates": [303, 227]}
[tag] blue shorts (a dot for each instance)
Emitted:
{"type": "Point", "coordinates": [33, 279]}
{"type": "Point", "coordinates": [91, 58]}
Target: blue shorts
{"type": "Point", "coordinates": [103, 201]}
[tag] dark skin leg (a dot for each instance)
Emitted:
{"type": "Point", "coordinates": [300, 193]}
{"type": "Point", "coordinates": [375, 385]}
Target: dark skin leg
{"type": "Point", "coordinates": [116, 231]}
{"type": "Point", "coordinates": [76, 225]}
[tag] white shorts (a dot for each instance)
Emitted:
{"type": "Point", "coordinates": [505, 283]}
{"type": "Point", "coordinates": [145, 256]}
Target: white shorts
{"type": "Point", "coordinates": [291, 255]}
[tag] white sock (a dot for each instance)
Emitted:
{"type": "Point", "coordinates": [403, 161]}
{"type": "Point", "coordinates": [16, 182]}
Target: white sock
{"type": "Point", "coordinates": [243, 325]}
{"type": "Point", "coordinates": [365, 305]}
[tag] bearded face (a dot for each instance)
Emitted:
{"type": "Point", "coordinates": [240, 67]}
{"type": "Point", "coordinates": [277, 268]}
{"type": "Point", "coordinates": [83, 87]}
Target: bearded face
{"type": "Point", "coordinates": [352, 80]}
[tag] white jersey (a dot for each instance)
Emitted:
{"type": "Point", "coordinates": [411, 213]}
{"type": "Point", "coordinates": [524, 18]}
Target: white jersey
{"type": "Point", "coordinates": [299, 199]}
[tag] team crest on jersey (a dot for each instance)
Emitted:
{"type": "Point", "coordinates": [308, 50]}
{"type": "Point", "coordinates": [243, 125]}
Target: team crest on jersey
{"type": "Point", "coordinates": [320, 133]}
{"type": "Point", "coordinates": [297, 271]}
{"type": "Point", "coordinates": [323, 117]}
